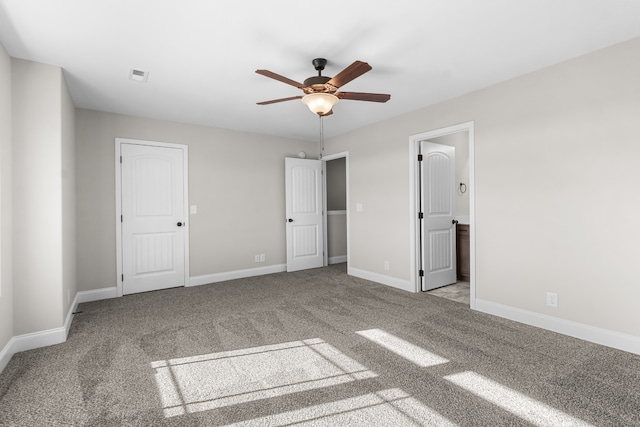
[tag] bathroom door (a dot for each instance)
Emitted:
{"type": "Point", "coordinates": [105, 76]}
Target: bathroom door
{"type": "Point", "coordinates": [437, 226]}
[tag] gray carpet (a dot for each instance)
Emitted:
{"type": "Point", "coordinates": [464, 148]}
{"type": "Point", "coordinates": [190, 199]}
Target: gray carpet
{"type": "Point", "coordinates": [313, 348]}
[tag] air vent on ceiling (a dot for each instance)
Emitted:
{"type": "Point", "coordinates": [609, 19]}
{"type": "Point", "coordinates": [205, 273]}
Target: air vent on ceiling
{"type": "Point", "coordinates": [138, 75]}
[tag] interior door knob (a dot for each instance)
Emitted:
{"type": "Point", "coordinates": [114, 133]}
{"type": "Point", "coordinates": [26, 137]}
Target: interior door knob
{"type": "Point", "coordinates": [179, 224]}
{"type": "Point", "coordinates": [454, 221]}
{"type": "Point", "coordinates": [290, 220]}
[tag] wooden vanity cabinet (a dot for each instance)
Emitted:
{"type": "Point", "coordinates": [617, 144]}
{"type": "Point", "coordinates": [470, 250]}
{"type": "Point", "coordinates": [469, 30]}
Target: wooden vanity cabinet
{"type": "Point", "coordinates": [463, 252]}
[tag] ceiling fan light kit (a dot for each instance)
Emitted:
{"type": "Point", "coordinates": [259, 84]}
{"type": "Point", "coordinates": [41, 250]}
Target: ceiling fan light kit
{"type": "Point", "coordinates": [320, 103]}
{"type": "Point", "coordinates": [321, 92]}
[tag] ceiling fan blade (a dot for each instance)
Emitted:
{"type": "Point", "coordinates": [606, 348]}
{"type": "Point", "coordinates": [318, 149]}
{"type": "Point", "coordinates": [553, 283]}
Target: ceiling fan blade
{"type": "Point", "coordinates": [354, 70]}
{"type": "Point", "coordinates": [280, 78]}
{"type": "Point", "coordinates": [273, 101]}
{"type": "Point", "coordinates": [364, 96]}
{"type": "Point", "coordinates": [330, 112]}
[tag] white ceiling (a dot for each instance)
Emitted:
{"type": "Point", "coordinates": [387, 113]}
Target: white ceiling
{"type": "Point", "coordinates": [201, 54]}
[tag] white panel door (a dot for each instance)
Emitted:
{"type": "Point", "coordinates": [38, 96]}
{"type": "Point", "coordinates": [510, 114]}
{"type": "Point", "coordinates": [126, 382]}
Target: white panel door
{"type": "Point", "coordinates": [304, 214]}
{"type": "Point", "coordinates": [438, 234]}
{"type": "Point", "coordinates": [153, 218]}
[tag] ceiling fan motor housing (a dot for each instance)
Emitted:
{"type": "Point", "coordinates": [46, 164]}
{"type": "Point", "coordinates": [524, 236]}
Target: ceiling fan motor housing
{"type": "Point", "coordinates": [317, 84]}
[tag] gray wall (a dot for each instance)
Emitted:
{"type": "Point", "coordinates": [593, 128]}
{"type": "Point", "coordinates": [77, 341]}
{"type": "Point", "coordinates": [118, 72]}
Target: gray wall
{"type": "Point", "coordinates": [68, 166]}
{"type": "Point", "coordinates": [235, 178]}
{"type": "Point", "coordinates": [336, 236]}
{"type": "Point", "coordinates": [6, 277]}
{"type": "Point", "coordinates": [336, 201]}
{"type": "Point", "coordinates": [556, 174]}
{"type": "Point", "coordinates": [336, 185]}
{"type": "Point", "coordinates": [37, 185]}
{"type": "Point", "coordinates": [37, 196]}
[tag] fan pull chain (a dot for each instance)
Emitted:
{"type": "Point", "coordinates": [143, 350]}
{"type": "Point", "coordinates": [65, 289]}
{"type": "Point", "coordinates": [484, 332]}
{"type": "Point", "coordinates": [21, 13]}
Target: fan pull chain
{"type": "Point", "coordinates": [321, 137]}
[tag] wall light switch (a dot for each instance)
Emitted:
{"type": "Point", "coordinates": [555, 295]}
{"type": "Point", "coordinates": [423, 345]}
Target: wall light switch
{"type": "Point", "coordinates": [194, 209]}
{"type": "Point", "coordinates": [358, 207]}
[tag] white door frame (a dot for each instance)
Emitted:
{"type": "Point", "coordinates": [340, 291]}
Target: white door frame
{"type": "Point", "coordinates": [325, 159]}
{"type": "Point", "coordinates": [185, 157]}
{"type": "Point", "coordinates": [414, 196]}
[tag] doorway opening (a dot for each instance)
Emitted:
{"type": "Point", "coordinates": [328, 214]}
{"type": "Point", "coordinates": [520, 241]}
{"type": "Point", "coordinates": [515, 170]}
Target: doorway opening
{"type": "Point", "coordinates": [461, 137]}
{"type": "Point", "coordinates": [336, 202]}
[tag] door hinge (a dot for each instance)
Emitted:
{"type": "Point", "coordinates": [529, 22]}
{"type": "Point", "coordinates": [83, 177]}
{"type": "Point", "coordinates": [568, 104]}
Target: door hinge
{"type": "Point", "coordinates": [420, 215]}
{"type": "Point", "coordinates": [421, 273]}
{"type": "Point", "coordinates": [123, 277]}
{"type": "Point", "coordinates": [419, 157]}
{"type": "Point", "coordinates": [120, 159]}
{"type": "Point", "coordinates": [121, 218]}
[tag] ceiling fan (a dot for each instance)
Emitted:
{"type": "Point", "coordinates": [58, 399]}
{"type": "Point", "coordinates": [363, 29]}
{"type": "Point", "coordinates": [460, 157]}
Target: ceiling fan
{"type": "Point", "coordinates": [321, 92]}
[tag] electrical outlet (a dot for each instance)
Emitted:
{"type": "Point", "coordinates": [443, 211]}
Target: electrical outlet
{"type": "Point", "coordinates": [262, 258]}
{"type": "Point", "coordinates": [257, 258]}
{"type": "Point", "coordinates": [386, 265]}
{"type": "Point", "coordinates": [552, 299]}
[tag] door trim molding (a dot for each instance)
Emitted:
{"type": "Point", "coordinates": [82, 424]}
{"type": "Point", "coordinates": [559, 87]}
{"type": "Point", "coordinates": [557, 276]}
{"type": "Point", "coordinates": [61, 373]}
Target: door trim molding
{"type": "Point", "coordinates": [118, 212]}
{"type": "Point", "coordinates": [414, 241]}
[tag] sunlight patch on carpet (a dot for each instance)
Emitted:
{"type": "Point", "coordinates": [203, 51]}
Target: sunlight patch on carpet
{"type": "Point", "coordinates": [530, 410]}
{"type": "Point", "coordinates": [391, 407]}
{"type": "Point", "coordinates": [210, 381]}
{"type": "Point", "coordinates": [402, 348]}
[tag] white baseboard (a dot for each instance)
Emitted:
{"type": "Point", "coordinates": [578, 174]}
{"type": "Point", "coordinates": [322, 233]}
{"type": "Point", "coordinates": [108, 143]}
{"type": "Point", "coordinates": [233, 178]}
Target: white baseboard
{"type": "Point", "coordinates": [97, 294]}
{"type": "Point", "coordinates": [237, 274]}
{"type": "Point", "coordinates": [626, 342]}
{"type": "Point", "coordinates": [405, 285]}
{"type": "Point", "coordinates": [6, 354]}
{"type": "Point", "coordinates": [38, 339]}
{"type": "Point", "coordinates": [30, 341]}
{"type": "Point", "coordinates": [337, 259]}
